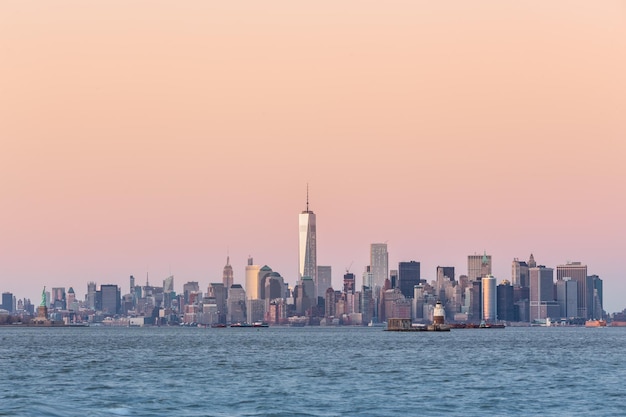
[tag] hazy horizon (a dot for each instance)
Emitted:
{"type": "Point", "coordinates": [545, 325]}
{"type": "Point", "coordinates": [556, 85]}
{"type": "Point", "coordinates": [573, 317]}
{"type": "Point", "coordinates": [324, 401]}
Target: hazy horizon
{"type": "Point", "coordinates": [159, 137]}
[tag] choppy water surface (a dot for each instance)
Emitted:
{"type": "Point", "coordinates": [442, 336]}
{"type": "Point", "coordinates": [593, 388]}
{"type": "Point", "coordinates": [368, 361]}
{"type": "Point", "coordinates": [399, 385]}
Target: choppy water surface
{"type": "Point", "coordinates": [311, 372]}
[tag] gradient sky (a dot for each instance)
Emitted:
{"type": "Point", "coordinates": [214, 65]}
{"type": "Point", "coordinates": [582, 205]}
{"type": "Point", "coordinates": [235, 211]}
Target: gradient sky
{"type": "Point", "coordinates": [157, 136]}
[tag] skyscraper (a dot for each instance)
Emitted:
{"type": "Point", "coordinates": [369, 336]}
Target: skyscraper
{"type": "Point", "coordinates": [324, 279]}
{"type": "Point", "coordinates": [578, 272]}
{"type": "Point", "coordinates": [519, 273]}
{"type": "Point", "coordinates": [408, 277]}
{"type": "Point", "coordinates": [227, 275]}
{"type": "Point", "coordinates": [379, 264]}
{"type": "Point", "coordinates": [489, 298]}
{"type": "Point", "coordinates": [542, 303]}
{"type": "Point", "coordinates": [252, 280]}
{"type": "Point", "coordinates": [478, 266]}
{"type": "Point", "coordinates": [307, 262]}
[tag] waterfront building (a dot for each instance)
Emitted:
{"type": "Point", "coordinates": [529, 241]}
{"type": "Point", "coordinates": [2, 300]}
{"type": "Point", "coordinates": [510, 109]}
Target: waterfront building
{"type": "Point", "coordinates": [367, 304]}
{"type": "Point", "coordinates": [253, 290]}
{"type": "Point", "coordinates": [489, 298]}
{"type": "Point", "coordinates": [476, 301]}
{"type": "Point", "coordinates": [542, 303]}
{"type": "Point", "coordinates": [478, 266]}
{"type": "Point", "coordinates": [324, 279]}
{"type": "Point", "coordinates": [567, 297]}
{"type": "Point", "coordinates": [408, 277]}
{"type": "Point", "coordinates": [519, 273]}
{"type": "Point", "coordinates": [7, 302]}
{"type": "Point", "coordinates": [504, 304]}
{"type": "Point", "coordinates": [218, 293]}
{"type": "Point", "coordinates": [307, 260]}
{"type": "Point", "coordinates": [227, 274]}
{"type": "Point", "coordinates": [379, 264]}
{"type": "Point", "coordinates": [578, 273]}
{"type": "Point", "coordinates": [236, 304]}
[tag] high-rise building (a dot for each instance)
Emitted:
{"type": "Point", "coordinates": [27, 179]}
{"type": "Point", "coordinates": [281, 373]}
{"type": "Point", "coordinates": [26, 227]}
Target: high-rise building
{"type": "Point", "coordinates": [478, 266]}
{"type": "Point", "coordinates": [598, 311]}
{"type": "Point", "coordinates": [567, 297]}
{"type": "Point", "coordinates": [489, 298]}
{"type": "Point", "coordinates": [168, 284]}
{"type": "Point", "coordinates": [408, 277]}
{"type": "Point", "coordinates": [58, 300]}
{"type": "Point", "coordinates": [110, 299]}
{"type": "Point", "coordinates": [227, 275]}
{"type": "Point", "coordinates": [189, 288]}
{"type": "Point", "coordinates": [368, 277]}
{"type": "Point", "coordinates": [445, 274]}
{"type": "Point", "coordinates": [7, 301]}
{"type": "Point", "coordinates": [379, 264]}
{"type": "Point", "coordinates": [519, 273]}
{"type": "Point", "coordinates": [542, 302]}
{"type": "Point", "coordinates": [236, 304]}
{"type": "Point", "coordinates": [504, 305]}
{"type": "Point", "coordinates": [324, 279]}
{"type": "Point", "coordinates": [253, 289]}
{"type": "Point", "coordinates": [307, 262]}
{"type": "Point", "coordinates": [578, 273]}
{"type": "Point", "coordinates": [91, 295]}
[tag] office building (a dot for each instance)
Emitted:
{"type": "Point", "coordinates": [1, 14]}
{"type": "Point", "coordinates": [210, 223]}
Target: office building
{"type": "Point", "coordinates": [542, 300]}
{"type": "Point", "coordinates": [578, 273]}
{"type": "Point", "coordinates": [567, 297]}
{"type": "Point", "coordinates": [379, 264]}
{"type": "Point", "coordinates": [489, 298]}
{"type": "Point", "coordinates": [478, 266]}
{"type": "Point", "coordinates": [110, 299]}
{"type": "Point", "coordinates": [236, 304]}
{"type": "Point", "coordinates": [408, 277]}
{"type": "Point", "coordinates": [7, 302]}
{"type": "Point", "coordinates": [253, 290]}
{"type": "Point", "coordinates": [324, 279]}
{"type": "Point", "coordinates": [519, 273]}
{"type": "Point", "coordinates": [504, 304]}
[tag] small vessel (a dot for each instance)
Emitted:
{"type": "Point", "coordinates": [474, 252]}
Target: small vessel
{"type": "Point", "coordinates": [595, 323]}
{"type": "Point", "coordinates": [260, 324]}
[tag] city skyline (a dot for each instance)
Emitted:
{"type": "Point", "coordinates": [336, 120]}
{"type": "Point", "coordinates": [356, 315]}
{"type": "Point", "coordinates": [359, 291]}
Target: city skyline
{"type": "Point", "coordinates": [185, 133]}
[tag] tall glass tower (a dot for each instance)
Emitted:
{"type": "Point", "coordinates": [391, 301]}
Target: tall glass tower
{"type": "Point", "coordinates": [307, 265]}
{"type": "Point", "coordinates": [379, 264]}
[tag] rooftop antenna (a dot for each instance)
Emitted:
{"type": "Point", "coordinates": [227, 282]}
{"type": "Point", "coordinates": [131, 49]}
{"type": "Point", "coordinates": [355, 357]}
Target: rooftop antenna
{"type": "Point", "coordinates": [307, 197]}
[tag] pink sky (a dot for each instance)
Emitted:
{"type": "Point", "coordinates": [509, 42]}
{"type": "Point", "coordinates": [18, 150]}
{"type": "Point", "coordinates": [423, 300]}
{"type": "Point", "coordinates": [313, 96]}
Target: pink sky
{"type": "Point", "coordinates": [156, 136]}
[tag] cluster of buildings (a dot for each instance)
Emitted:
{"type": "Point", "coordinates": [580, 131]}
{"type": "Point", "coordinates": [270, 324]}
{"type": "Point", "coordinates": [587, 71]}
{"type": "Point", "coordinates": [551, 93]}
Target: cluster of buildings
{"type": "Point", "coordinates": [531, 295]}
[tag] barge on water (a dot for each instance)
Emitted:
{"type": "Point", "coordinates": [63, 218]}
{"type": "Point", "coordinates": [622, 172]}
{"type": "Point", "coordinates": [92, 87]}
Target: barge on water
{"type": "Point", "coordinates": [405, 325]}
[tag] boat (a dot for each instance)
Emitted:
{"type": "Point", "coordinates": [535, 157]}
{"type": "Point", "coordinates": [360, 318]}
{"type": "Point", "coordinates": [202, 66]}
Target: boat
{"type": "Point", "coordinates": [241, 325]}
{"type": "Point", "coordinates": [595, 323]}
{"type": "Point", "coordinates": [618, 323]}
{"type": "Point", "coordinates": [260, 324]}
{"type": "Point", "coordinates": [218, 325]}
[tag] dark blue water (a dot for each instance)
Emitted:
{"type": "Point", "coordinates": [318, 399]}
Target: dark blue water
{"type": "Point", "coordinates": [311, 372]}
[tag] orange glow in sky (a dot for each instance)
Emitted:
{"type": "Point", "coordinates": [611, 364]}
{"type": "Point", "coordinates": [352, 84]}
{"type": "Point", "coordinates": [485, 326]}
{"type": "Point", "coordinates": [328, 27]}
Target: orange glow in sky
{"type": "Point", "coordinates": [151, 136]}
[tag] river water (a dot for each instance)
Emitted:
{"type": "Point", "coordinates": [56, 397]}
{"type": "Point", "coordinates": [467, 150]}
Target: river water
{"type": "Point", "coordinates": [311, 372]}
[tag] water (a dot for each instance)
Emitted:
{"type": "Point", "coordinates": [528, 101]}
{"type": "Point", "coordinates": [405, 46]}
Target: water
{"type": "Point", "coordinates": [311, 372]}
